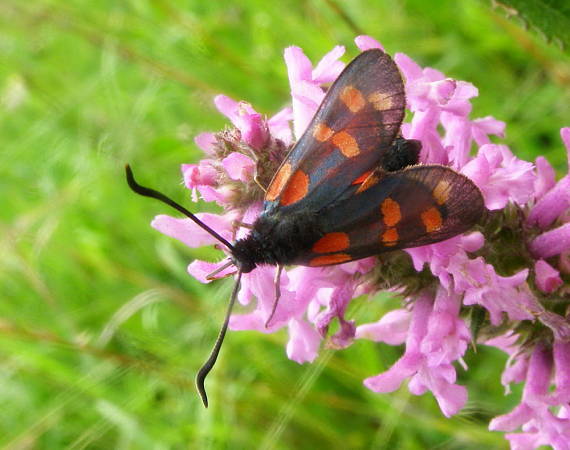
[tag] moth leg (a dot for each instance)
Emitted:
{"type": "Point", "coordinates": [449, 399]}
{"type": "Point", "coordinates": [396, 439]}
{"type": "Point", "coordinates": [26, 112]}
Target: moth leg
{"type": "Point", "coordinates": [256, 179]}
{"type": "Point", "coordinates": [212, 276]}
{"type": "Point", "coordinates": [277, 295]}
{"type": "Point", "coordinates": [240, 224]}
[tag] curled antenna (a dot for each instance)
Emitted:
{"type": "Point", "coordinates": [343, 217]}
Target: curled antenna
{"type": "Point", "coordinates": [209, 364]}
{"type": "Point", "coordinates": [148, 192]}
{"type": "Point", "coordinates": [211, 361]}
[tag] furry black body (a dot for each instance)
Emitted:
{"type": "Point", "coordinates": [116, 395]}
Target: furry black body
{"type": "Point", "coordinates": [277, 239]}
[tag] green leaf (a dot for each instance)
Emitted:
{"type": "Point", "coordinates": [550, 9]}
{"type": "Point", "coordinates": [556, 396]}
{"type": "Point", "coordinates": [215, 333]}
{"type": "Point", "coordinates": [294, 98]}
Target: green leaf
{"type": "Point", "coordinates": [550, 17]}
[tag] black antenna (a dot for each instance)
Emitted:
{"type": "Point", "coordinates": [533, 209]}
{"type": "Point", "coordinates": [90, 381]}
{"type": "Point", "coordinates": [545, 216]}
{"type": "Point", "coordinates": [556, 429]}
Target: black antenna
{"type": "Point", "coordinates": [147, 192]}
{"type": "Point", "coordinates": [209, 364]}
{"type": "Point", "coordinates": [211, 361]}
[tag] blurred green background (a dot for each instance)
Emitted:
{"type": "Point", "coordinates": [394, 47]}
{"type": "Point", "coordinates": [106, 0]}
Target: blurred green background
{"type": "Point", "coordinates": [101, 329]}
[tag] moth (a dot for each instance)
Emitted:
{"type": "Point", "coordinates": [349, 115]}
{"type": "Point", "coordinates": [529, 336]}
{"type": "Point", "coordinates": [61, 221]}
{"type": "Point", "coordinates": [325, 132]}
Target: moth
{"type": "Point", "coordinates": [351, 187]}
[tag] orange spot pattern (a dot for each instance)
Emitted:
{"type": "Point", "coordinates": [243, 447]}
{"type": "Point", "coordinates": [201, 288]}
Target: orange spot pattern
{"type": "Point", "coordinates": [346, 144]}
{"type": "Point", "coordinates": [441, 192]}
{"type": "Point", "coordinates": [380, 101]}
{"type": "Point", "coordinates": [322, 133]}
{"type": "Point", "coordinates": [332, 242]}
{"type": "Point", "coordinates": [432, 219]}
{"type": "Point", "coordinates": [391, 212]}
{"type": "Point", "coordinates": [278, 182]}
{"type": "Point", "coordinates": [390, 237]}
{"type": "Point", "coordinates": [327, 260]}
{"type": "Point", "coordinates": [352, 98]}
{"type": "Point", "coordinates": [296, 189]}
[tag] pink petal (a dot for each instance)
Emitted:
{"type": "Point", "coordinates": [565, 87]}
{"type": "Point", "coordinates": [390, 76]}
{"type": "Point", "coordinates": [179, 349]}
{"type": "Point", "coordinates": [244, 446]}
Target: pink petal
{"type": "Point", "coordinates": [206, 142]}
{"type": "Point", "coordinates": [188, 232]}
{"type": "Point", "coordinates": [304, 342]}
{"type": "Point", "coordinates": [239, 166]}
{"type": "Point", "coordinates": [450, 398]}
{"type": "Point", "coordinates": [408, 66]}
{"type": "Point", "coordinates": [551, 243]}
{"type": "Point", "coordinates": [329, 67]}
{"type": "Point", "coordinates": [364, 43]}
{"type": "Point", "coordinates": [551, 205]}
{"type": "Point", "coordinates": [485, 126]}
{"type": "Point", "coordinates": [298, 65]}
{"type": "Point", "coordinates": [227, 106]}
{"type": "Point", "coordinates": [547, 277]}
{"type": "Point", "coordinates": [565, 135]}
{"type": "Point", "coordinates": [391, 328]}
{"type": "Point", "coordinates": [202, 269]}
{"type": "Point", "coordinates": [280, 125]}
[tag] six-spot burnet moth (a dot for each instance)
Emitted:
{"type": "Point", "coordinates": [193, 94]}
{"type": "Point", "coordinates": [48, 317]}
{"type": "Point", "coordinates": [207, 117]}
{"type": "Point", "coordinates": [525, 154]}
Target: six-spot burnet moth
{"type": "Point", "coordinates": [351, 187]}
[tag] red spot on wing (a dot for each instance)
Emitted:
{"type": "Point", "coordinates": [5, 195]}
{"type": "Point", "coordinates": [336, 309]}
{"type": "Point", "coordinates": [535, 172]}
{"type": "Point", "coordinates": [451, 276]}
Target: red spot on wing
{"type": "Point", "coordinates": [279, 180]}
{"type": "Point", "coordinates": [322, 133]}
{"type": "Point", "coordinates": [332, 242]}
{"type": "Point", "coordinates": [432, 219]}
{"type": "Point", "coordinates": [296, 189]}
{"type": "Point", "coordinates": [346, 144]}
{"type": "Point", "coordinates": [391, 213]}
{"type": "Point", "coordinates": [352, 98]}
{"type": "Point", "coordinates": [390, 237]}
{"type": "Point", "coordinates": [327, 260]}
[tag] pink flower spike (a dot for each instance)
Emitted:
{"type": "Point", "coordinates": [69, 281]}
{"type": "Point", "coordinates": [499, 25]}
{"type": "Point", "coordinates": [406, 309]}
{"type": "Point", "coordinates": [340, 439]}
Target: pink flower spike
{"type": "Point", "coordinates": [239, 166]}
{"type": "Point", "coordinates": [551, 243]}
{"type": "Point", "coordinates": [364, 43]}
{"type": "Point", "coordinates": [547, 277]}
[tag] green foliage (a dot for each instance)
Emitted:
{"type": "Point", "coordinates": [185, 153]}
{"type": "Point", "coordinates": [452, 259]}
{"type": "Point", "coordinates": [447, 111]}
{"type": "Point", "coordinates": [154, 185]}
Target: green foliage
{"type": "Point", "coordinates": [550, 17]}
{"type": "Point", "coordinates": [101, 329]}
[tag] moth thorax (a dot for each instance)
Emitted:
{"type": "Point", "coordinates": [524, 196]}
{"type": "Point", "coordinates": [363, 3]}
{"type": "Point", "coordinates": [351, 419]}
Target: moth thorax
{"type": "Point", "coordinates": [277, 240]}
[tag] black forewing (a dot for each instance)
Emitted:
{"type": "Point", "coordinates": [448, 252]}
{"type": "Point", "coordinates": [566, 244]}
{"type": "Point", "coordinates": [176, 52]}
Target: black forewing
{"type": "Point", "coordinates": [375, 76]}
